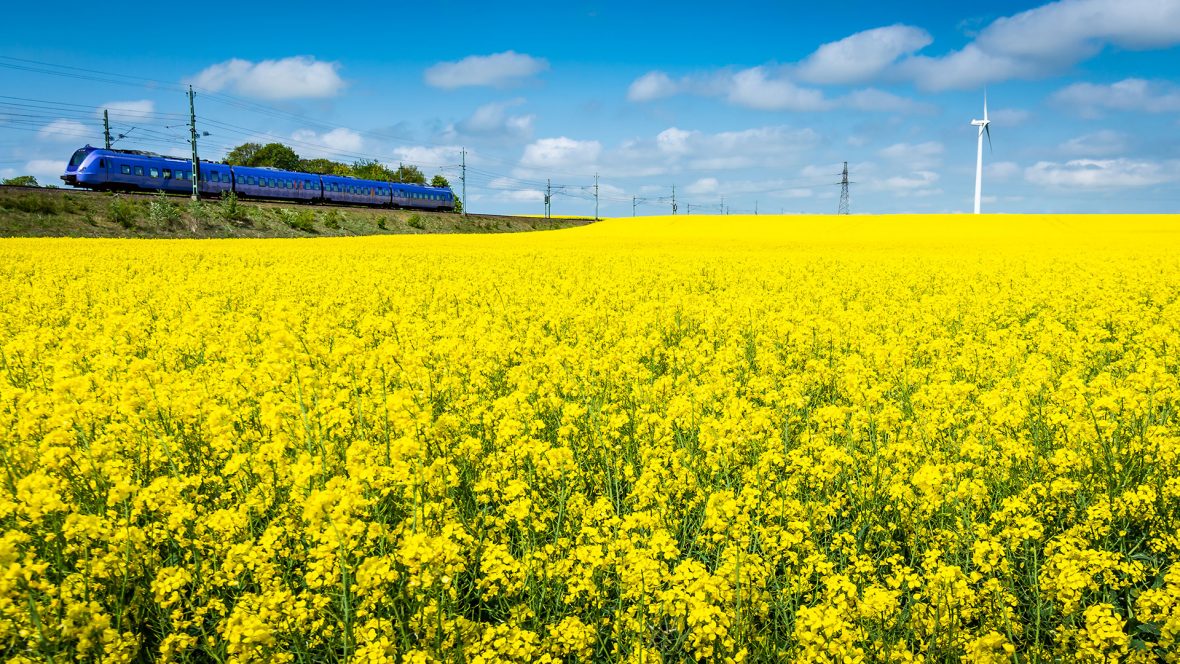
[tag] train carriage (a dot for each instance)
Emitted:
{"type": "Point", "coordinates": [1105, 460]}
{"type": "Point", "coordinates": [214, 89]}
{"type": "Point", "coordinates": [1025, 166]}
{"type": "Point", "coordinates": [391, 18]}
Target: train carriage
{"type": "Point", "coordinates": [260, 182]}
{"type": "Point", "coordinates": [423, 196]}
{"type": "Point", "coordinates": [340, 189]}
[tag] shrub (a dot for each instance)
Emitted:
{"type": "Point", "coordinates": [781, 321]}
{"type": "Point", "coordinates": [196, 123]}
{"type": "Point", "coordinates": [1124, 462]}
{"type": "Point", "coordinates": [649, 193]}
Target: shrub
{"type": "Point", "coordinates": [415, 221]}
{"type": "Point", "coordinates": [122, 211]}
{"type": "Point", "coordinates": [333, 218]}
{"type": "Point", "coordinates": [162, 212]}
{"type": "Point", "coordinates": [300, 220]}
{"type": "Point", "coordinates": [21, 181]}
{"type": "Point", "coordinates": [32, 203]}
{"type": "Point", "coordinates": [229, 208]}
{"type": "Point", "coordinates": [381, 224]}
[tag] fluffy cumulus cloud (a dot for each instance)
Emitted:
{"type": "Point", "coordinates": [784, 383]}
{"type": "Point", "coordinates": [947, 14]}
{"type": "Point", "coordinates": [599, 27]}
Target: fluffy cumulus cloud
{"type": "Point", "coordinates": [761, 89]}
{"type": "Point", "coordinates": [337, 143]}
{"type": "Point", "coordinates": [765, 88]}
{"type": "Point", "coordinates": [495, 70]}
{"type": "Point", "coordinates": [66, 131]}
{"type": "Point", "coordinates": [863, 56]}
{"type": "Point", "coordinates": [1001, 170]}
{"type": "Point", "coordinates": [128, 110]}
{"type": "Point", "coordinates": [299, 77]}
{"type": "Point", "coordinates": [1046, 40]}
{"type": "Point", "coordinates": [47, 171]}
{"type": "Point", "coordinates": [703, 186]}
{"type": "Point", "coordinates": [1101, 173]}
{"type": "Point", "coordinates": [652, 85]}
{"type": "Point", "coordinates": [432, 157]}
{"type": "Point", "coordinates": [729, 150]}
{"type": "Point", "coordinates": [1131, 94]}
{"type": "Point", "coordinates": [561, 153]}
{"type": "Point", "coordinates": [494, 120]}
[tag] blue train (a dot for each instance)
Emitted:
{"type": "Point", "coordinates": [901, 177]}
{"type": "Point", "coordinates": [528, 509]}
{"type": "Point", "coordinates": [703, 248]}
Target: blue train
{"type": "Point", "coordinates": [131, 170]}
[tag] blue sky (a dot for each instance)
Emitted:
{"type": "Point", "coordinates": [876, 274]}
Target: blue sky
{"type": "Point", "coordinates": [758, 105]}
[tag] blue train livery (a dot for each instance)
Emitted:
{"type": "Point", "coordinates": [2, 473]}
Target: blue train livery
{"type": "Point", "coordinates": [130, 170]}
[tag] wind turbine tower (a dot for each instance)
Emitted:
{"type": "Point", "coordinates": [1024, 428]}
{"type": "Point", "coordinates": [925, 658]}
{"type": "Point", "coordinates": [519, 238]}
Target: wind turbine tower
{"type": "Point", "coordinates": [983, 129]}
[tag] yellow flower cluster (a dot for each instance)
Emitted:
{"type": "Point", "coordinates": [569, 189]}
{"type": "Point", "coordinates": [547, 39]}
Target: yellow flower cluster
{"type": "Point", "coordinates": [670, 439]}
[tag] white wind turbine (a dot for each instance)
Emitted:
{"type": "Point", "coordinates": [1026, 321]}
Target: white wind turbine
{"type": "Point", "coordinates": [983, 128]}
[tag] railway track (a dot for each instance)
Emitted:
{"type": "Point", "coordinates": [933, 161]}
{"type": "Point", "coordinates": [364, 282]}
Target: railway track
{"type": "Point", "coordinates": [61, 191]}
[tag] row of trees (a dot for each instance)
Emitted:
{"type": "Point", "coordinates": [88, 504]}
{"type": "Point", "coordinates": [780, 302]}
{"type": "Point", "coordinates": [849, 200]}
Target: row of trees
{"type": "Point", "coordinates": [277, 155]}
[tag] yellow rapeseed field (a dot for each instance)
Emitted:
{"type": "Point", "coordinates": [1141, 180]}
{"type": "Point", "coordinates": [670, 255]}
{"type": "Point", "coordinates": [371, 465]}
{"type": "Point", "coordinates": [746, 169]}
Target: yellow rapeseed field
{"type": "Point", "coordinates": [669, 439]}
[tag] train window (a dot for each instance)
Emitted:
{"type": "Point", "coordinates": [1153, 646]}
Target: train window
{"type": "Point", "coordinates": [125, 169]}
{"type": "Point", "coordinates": [214, 176]}
{"type": "Point", "coordinates": [102, 163]}
{"type": "Point", "coordinates": [139, 170]}
{"type": "Point", "coordinates": [154, 172]}
{"type": "Point", "coordinates": [167, 173]}
{"type": "Point", "coordinates": [251, 180]}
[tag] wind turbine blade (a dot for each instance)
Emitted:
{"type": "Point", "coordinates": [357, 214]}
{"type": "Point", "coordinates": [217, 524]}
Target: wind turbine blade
{"type": "Point", "coordinates": [988, 130]}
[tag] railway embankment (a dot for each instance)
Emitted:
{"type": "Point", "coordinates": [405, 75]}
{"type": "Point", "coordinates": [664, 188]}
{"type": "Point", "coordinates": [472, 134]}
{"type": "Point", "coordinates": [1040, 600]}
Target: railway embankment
{"type": "Point", "coordinates": [48, 212]}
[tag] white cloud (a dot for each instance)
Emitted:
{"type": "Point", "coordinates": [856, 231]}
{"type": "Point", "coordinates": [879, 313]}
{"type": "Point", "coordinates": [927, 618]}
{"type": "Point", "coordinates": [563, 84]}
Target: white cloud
{"type": "Point", "coordinates": [765, 88]}
{"type": "Point", "coordinates": [331, 144]}
{"type": "Point", "coordinates": [66, 131]}
{"type": "Point", "coordinates": [1104, 143]}
{"type": "Point", "coordinates": [494, 120]}
{"type": "Point", "coordinates": [1046, 40]}
{"type": "Point", "coordinates": [561, 152]}
{"type": "Point", "coordinates": [872, 99]}
{"type": "Point", "coordinates": [1001, 170]}
{"type": "Point", "coordinates": [523, 196]}
{"type": "Point", "coordinates": [47, 171]}
{"type": "Point", "coordinates": [652, 85]}
{"type": "Point", "coordinates": [910, 182]}
{"type": "Point", "coordinates": [128, 110]}
{"type": "Point", "coordinates": [863, 56]}
{"type": "Point", "coordinates": [1101, 173]}
{"type": "Point", "coordinates": [1131, 94]}
{"type": "Point", "coordinates": [703, 186]}
{"type": "Point", "coordinates": [759, 89]}
{"type": "Point", "coordinates": [919, 157]}
{"type": "Point", "coordinates": [296, 77]}
{"type": "Point", "coordinates": [1009, 117]}
{"type": "Point", "coordinates": [431, 157]}
{"type": "Point", "coordinates": [496, 70]}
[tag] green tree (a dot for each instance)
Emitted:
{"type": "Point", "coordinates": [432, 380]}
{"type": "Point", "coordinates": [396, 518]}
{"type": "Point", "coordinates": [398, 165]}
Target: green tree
{"type": "Point", "coordinates": [22, 181]}
{"type": "Point", "coordinates": [243, 155]}
{"type": "Point", "coordinates": [276, 155]}
{"type": "Point", "coordinates": [371, 169]}
{"type": "Point", "coordinates": [324, 167]}
{"type": "Point", "coordinates": [409, 173]}
{"type": "Point", "coordinates": [441, 181]}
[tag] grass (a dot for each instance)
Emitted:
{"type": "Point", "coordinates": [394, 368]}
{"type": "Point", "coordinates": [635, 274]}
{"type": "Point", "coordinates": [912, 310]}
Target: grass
{"type": "Point", "coordinates": [66, 213]}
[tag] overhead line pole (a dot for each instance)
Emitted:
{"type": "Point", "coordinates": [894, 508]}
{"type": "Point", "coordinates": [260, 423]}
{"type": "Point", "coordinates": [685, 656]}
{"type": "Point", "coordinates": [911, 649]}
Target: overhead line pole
{"type": "Point", "coordinates": [548, 196]}
{"type": "Point", "coordinates": [192, 125]}
{"type": "Point", "coordinates": [673, 199]}
{"type": "Point", "coordinates": [843, 209]}
{"type": "Point", "coordinates": [633, 201]}
{"type": "Point", "coordinates": [106, 127]}
{"type": "Point", "coordinates": [596, 197]}
{"type": "Point", "coordinates": [463, 178]}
